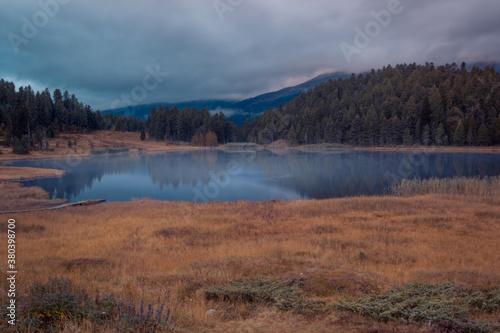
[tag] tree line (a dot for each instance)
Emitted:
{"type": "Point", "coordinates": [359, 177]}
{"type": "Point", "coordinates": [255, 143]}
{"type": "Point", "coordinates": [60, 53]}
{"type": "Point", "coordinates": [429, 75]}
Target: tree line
{"type": "Point", "coordinates": [28, 119]}
{"type": "Point", "coordinates": [407, 104]}
{"type": "Point", "coordinates": [192, 125]}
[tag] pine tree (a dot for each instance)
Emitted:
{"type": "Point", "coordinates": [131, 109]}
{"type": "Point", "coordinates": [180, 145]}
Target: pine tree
{"type": "Point", "coordinates": [426, 135]}
{"type": "Point", "coordinates": [483, 136]}
{"type": "Point", "coordinates": [292, 136]}
{"type": "Point", "coordinates": [370, 127]}
{"type": "Point", "coordinates": [425, 112]}
{"type": "Point", "coordinates": [459, 136]}
{"type": "Point", "coordinates": [355, 133]}
{"type": "Point", "coordinates": [330, 131]}
{"type": "Point", "coordinates": [496, 131]}
{"type": "Point", "coordinates": [440, 135]}
{"type": "Point", "coordinates": [408, 139]}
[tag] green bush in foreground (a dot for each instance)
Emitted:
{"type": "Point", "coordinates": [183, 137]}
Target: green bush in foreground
{"type": "Point", "coordinates": [258, 291]}
{"type": "Point", "coordinates": [48, 307]}
{"type": "Point", "coordinates": [263, 291]}
{"type": "Point", "coordinates": [437, 304]}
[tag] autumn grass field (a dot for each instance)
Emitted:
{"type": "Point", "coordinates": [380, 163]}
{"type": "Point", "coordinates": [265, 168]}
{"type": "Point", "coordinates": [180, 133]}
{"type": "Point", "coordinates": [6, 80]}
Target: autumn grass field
{"type": "Point", "coordinates": [300, 266]}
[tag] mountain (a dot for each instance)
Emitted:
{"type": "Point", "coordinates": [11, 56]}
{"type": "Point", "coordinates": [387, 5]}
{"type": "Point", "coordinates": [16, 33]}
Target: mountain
{"type": "Point", "coordinates": [263, 102]}
{"type": "Point", "coordinates": [143, 110]}
{"type": "Point", "coordinates": [239, 111]}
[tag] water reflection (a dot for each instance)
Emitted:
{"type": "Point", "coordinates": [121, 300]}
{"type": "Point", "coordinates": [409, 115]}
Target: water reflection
{"type": "Point", "coordinates": [252, 175]}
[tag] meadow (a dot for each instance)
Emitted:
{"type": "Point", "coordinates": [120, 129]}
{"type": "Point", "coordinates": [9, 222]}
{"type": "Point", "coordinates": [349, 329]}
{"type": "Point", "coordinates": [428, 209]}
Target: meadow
{"type": "Point", "coordinates": [334, 265]}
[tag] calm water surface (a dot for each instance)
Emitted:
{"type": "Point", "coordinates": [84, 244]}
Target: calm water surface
{"type": "Point", "coordinates": [250, 175]}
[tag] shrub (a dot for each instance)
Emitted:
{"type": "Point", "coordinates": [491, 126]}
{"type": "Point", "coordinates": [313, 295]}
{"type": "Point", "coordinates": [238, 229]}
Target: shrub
{"type": "Point", "coordinates": [465, 326]}
{"type": "Point", "coordinates": [259, 291]}
{"type": "Point", "coordinates": [48, 306]}
{"type": "Point", "coordinates": [424, 303]}
{"type": "Point", "coordinates": [211, 139]}
{"type": "Point", "coordinates": [19, 147]}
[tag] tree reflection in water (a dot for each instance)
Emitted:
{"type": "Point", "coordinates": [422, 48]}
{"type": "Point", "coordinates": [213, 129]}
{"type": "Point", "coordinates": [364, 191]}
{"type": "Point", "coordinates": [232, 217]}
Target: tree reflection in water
{"type": "Point", "coordinates": [264, 174]}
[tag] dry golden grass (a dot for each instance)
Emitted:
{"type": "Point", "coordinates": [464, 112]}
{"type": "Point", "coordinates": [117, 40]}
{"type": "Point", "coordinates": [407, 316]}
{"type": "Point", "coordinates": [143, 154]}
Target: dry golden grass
{"type": "Point", "coordinates": [143, 249]}
{"type": "Point", "coordinates": [15, 197]}
{"type": "Point", "coordinates": [22, 173]}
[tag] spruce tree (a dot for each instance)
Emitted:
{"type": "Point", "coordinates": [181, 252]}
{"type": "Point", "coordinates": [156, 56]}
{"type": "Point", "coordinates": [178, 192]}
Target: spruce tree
{"type": "Point", "coordinates": [459, 136]}
{"type": "Point", "coordinates": [483, 136]}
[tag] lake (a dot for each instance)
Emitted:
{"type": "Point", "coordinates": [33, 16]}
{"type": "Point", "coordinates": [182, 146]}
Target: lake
{"type": "Point", "coordinates": [215, 175]}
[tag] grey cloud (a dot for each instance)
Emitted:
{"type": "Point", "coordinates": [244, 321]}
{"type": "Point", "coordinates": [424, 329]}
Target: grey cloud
{"type": "Point", "coordinates": [99, 50]}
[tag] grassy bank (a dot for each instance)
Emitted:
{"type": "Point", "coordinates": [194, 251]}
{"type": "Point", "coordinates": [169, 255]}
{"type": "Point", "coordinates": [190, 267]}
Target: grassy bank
{"type": "Point", "coordinates": [77, 145]}
{"type": "Point", "coordinates": [22, 173]}
{"type": "Point", "coordinates": [15, 197]}
{"type": "Point", "coordinates": [273, 266]}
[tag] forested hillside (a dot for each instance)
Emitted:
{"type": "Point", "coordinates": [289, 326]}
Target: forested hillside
{"type": "Point", "coordinates": [27, 118]}
{"type": "Point", "coordinates": [408, 104]}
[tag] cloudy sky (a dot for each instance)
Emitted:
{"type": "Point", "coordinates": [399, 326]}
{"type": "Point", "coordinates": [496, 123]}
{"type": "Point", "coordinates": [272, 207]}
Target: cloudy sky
{"type": "Point", "coordinates": [117, 52]}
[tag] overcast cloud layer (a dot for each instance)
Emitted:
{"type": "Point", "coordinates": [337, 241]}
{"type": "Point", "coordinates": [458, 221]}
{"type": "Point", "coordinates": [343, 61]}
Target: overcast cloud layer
{"type": "Point", "coordinates": [234, 49]}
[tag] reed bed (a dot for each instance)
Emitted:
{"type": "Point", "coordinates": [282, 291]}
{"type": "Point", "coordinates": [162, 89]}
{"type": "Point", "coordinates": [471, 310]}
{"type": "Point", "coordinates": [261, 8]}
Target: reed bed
{"type": "Point", "coordinates": [476, 186]}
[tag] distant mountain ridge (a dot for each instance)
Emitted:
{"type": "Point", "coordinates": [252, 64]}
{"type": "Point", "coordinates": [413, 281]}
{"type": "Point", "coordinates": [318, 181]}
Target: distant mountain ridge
{"type": "Point", "coordinates": [239, 111]}
{"type": "Point", "coordinates": [249, 108]}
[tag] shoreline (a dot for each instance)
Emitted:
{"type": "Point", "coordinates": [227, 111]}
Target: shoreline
{"type": "Point", "coordinates": [19, 174]}
{"type": "Point", "coordinates": [172, 148]}
{"type": "Point", "coordinates": [78, 145]}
